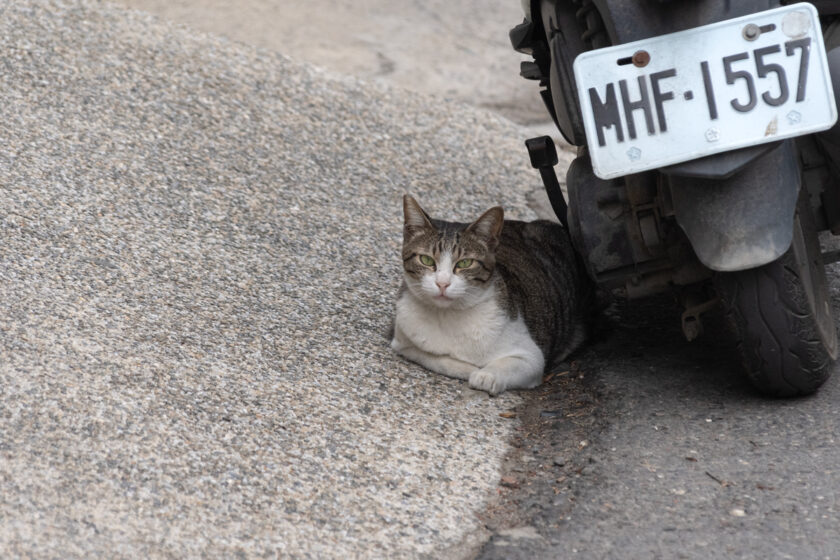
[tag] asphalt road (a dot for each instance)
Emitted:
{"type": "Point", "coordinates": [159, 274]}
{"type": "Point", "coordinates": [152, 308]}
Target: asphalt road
{"type": "Point", "coordinates": [667, 452]}
{"type": "Point", "coordinates": [197, 269]}
{"type": "Point", "coordinates": [457, 50]}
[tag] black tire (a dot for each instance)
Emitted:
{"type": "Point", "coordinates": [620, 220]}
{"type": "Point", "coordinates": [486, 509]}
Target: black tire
{"type": "Point", "coordinates": [781, 314]}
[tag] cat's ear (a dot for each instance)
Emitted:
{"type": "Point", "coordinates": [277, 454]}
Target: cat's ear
{"type": "Point", "coordinates": [416, 218]}
{"type": "Point", "coordinates": [489, 225]}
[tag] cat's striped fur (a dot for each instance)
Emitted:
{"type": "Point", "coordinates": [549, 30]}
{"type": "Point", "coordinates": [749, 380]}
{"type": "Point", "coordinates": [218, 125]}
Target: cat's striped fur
{"type": "Point", "coordinates": [492, 302]}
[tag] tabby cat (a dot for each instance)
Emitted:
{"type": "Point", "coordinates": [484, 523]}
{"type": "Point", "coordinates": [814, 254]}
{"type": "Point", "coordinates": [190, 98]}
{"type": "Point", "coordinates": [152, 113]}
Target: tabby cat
{"type": "Point", "coordinates": [494, 302]}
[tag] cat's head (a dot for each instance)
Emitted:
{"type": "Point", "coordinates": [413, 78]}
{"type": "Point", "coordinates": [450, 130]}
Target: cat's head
{"type": "Point", "coordinates": [449, 264]}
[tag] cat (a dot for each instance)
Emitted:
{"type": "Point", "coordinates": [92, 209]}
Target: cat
{"type": "Point", "coordinates": [493, 302]}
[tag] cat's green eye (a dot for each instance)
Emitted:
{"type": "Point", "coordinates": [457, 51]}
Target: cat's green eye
{"type": "Point", "coordinates": [427, 260]}
{"type": "Point", "coordinates": [464, 263]}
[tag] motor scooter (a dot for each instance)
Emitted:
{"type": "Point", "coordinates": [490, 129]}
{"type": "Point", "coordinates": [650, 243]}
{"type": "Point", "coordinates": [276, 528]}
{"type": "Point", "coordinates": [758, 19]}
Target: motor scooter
{"type": "Point", "coordinates": [708, 161]}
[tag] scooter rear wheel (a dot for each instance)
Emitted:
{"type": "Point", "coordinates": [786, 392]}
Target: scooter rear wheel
{"type": "Point", "coordinates": [781, 314]}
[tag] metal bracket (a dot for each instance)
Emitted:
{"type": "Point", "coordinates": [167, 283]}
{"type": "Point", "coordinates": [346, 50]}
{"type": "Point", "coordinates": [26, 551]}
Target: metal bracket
{"type": "Point", "coordinates": [692, 325]}
{"type": "Point", "coordinates": [543, 156]}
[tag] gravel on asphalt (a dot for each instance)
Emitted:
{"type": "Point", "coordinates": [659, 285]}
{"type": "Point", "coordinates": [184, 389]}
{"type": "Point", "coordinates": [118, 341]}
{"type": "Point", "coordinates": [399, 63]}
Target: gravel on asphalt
{"type": "Point", "coordinates": [198, 265]}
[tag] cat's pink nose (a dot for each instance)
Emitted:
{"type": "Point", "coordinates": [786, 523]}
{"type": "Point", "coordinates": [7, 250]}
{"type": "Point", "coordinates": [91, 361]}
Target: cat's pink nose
{"type": "Point", "coordinates": [442, 286]}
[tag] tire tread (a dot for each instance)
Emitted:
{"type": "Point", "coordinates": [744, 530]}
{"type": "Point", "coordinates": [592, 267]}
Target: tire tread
{"type": "Point", "coordinates": [776, 332]}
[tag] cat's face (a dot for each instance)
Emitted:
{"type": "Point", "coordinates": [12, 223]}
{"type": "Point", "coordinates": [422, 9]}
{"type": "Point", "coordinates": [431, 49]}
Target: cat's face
{"type": "Point", "coordinates": [449, 264]}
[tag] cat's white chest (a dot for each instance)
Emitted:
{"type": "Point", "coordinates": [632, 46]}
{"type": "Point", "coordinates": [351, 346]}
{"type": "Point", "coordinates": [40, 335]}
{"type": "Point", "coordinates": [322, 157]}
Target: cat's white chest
{"type": "Point", "coordinates": [475, 335]}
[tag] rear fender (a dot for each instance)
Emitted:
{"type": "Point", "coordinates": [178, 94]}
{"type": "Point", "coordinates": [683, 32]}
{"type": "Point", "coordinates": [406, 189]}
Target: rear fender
{"type": "Point", "coordinates": [628, 21]}
{"type": "Point", "coordinates": [743, 221]}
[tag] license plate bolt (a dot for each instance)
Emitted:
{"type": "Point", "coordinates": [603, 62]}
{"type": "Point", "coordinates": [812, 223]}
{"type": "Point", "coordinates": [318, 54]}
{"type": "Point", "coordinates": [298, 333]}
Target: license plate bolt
{"type": "Point", "coordinates": [751, 32]}
{"type": "Point", "coordinates": [641, 59]}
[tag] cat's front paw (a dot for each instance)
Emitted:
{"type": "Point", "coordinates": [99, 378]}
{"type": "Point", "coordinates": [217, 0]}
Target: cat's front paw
{"type": "Point", "coordinates": [484, 380]}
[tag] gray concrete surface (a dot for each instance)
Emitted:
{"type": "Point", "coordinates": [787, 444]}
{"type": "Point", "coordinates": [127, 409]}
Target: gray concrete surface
{"type": "Point", "coordinates": [198, 262]}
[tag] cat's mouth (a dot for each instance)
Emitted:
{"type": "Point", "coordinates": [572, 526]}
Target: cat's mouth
{"type": "Point", "coordinates": [441, 297]}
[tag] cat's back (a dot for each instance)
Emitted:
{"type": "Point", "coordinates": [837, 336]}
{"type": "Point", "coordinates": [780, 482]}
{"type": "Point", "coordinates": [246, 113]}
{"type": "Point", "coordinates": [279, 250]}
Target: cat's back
{"type": "Point", "coordinates": [540, 243]}
{"type": "Point", "coordinates": [544, 282]}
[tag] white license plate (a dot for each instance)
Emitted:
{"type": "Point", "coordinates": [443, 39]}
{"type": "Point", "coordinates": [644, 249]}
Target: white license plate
{"type": "Point", "coordinates": [731, 84]}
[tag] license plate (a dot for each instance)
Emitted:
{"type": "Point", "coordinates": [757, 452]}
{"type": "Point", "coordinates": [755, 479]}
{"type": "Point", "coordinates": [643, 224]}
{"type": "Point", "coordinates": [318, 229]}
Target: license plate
{"type": "Point", "coordinates": [731, 84]}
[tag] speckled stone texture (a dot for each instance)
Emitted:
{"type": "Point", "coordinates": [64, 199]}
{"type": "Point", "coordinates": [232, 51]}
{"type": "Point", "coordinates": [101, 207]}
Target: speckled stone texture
{"type": "Point", "coordinates": [198, 262]}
